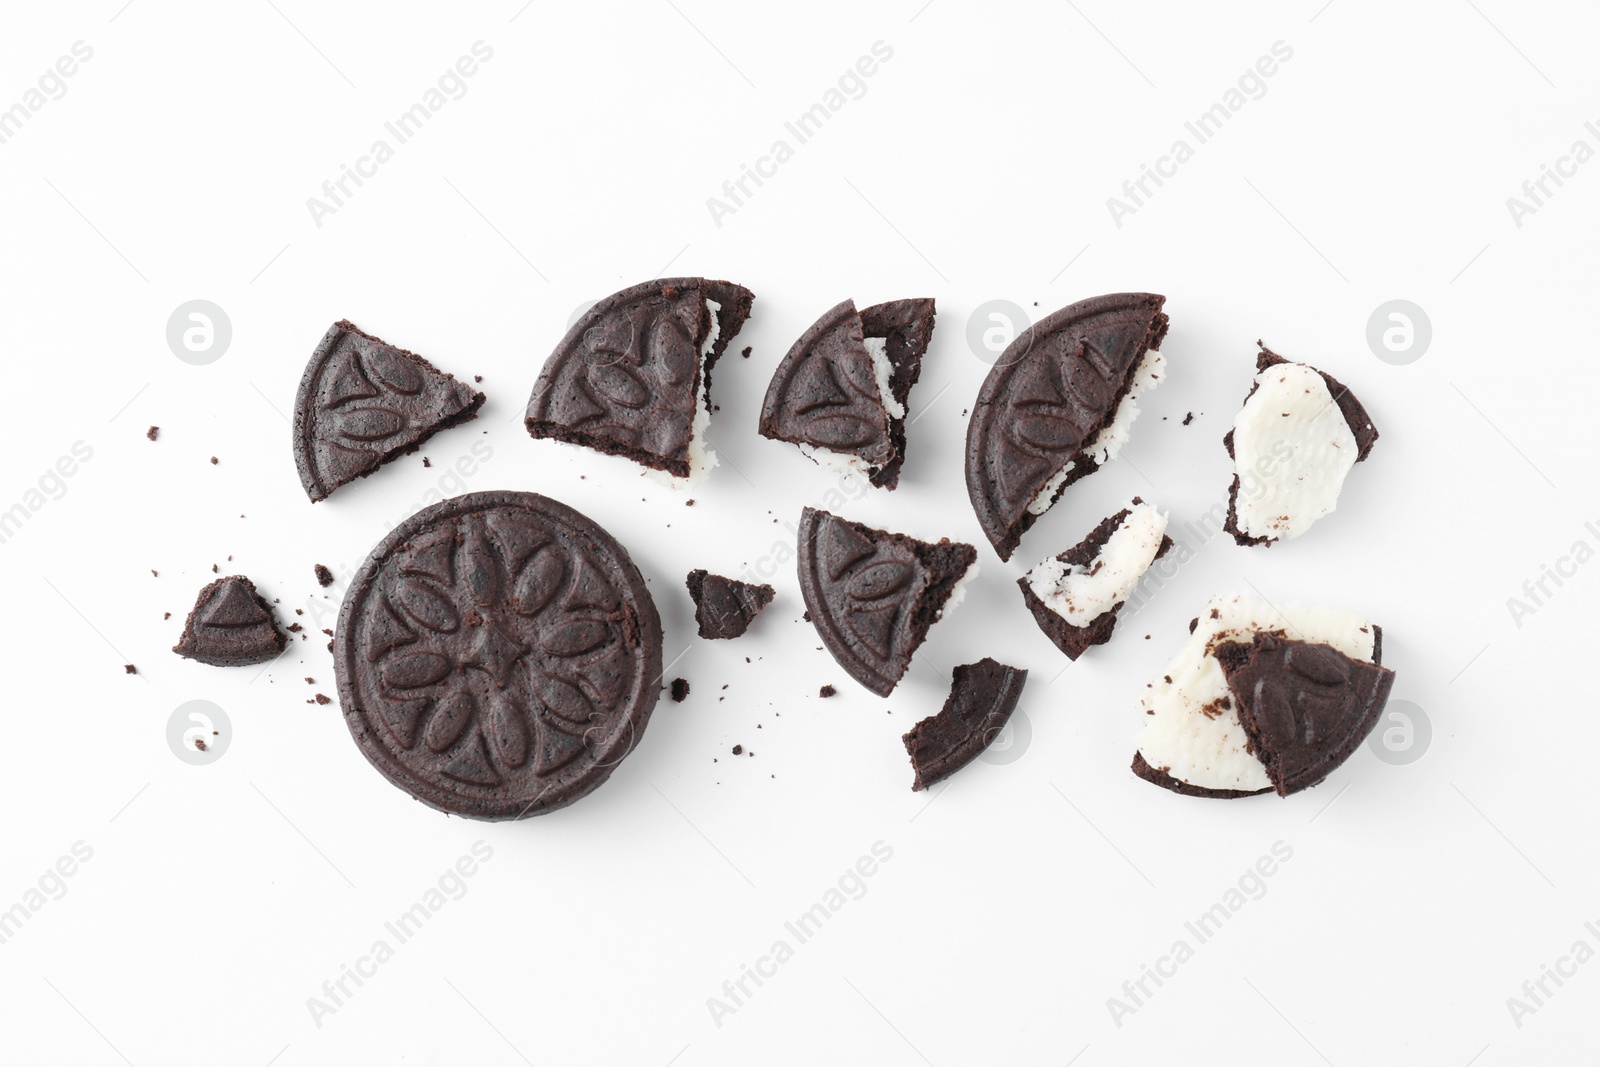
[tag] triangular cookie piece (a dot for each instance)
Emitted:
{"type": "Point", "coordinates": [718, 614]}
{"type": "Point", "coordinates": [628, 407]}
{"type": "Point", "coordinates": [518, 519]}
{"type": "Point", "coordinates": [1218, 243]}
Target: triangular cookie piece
{"type": "Point", "coordinates": [840, 393]}
{"type": "Point", "coordinates": [363, 402]}
{"type": "Point", "coordinates": [873, 609]}
{"type": "Point", "coordinates": [725, 607]}
{"type": "Point", "coordinates": [632, 377]}
{"type": "Point", "coordinates": [231, 626]}
{"type": "Point", "coordinates": [1305, 707]}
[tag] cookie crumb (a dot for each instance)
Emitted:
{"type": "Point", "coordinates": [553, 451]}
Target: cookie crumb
{"type": "Point", "coordinates": [323, 700]}
{"type": "Point", "coordinates": [153, 432]}
{"type": "Point", "coordinates": [200, 743]}
{"type": "Point", "coordinates": [426, 462]}
{"type": "Point", "coordinates": [827, 691]}
{"type": "Point", "coordinates": [324, 575]}
{"type": "Point", "coordinates": [738, 750]}
{"type": "Point", "coordinates": [746, 352]}
{"type": "Point", "coordinates": [213, 461]}
{"type": "Point", "coordinates": [680, 690]}
{"type": "Point", "coordinates": [129, 668]}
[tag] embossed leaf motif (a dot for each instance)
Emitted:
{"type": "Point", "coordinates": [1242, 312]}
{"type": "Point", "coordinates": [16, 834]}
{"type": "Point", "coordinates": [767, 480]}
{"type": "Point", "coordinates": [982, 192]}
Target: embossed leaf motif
{"type": "Point", "coordinates": [842, 431]}
{"type": "Point", "coordinates": [426, 605]}
{"type": "Point", "coordinates": [575, 637]}
{"type": "Point", "coordinates": [617, 383]}
{"type": "Point", "coordinates": [673, 350]}
{"type": "Point", "coordinates": [540, 581]}
{"type": "Point", "coordinates": [562, 698]}
{"type": "Point", "coordinates": [1047, 429]}
{"type": "Point", "coordinates": [395, 371]}
{"type": "Point", "coordinates": [414, 670]}
{"type": "Point", "coordinates": [879, 580]}
{"type": "Point", "coordinates": [450, 717]}
{"type": "Point", "coordinates": [508, 729]}
{"type": "Point", "coordinates": [368, 423]}
{"type": "Point", "coordinates": [480, 567]}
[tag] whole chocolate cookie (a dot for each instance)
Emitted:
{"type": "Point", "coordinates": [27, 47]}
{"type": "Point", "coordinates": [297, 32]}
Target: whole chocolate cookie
{"type": "Point", "coordinates": [363, 402]}
{"type": "Point", "coordinates": [1057, 405]}
{"type": "Point", "coordinates": [498, 655]}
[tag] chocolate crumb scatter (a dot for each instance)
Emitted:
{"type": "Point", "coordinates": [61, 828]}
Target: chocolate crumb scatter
{"type": "Point", "coordinates": [324, 575]}
{"type": "Point", "coordinates": [323, 700]}
{"type": "Point", "coordinates": [826, 691]}
{"type": "Point", "coordinates": [153, 573]}
{"type": "Point", "coordinates": [166, 615]}
{"type": "Point", "coordinates": [426, 462]}
{"type": "Point", "coordinates": [746, 352]}
{"type": "Point", "coordinates": [153, 432]}
{"type": "Point", "coordinates": [200, 743]}
{"type": "Point", "coordinates": [213, 461]}
{"type": "Point", "coordinates": [129, 668]}
{"type": "Point", "coordinates": [680, 690]}
{"type": "Point", "coordinates": [738, 750]}
{"type": "Point", "coordinates": [1187, 419]}
{"type": "Point", "coordinates": [477, 378]}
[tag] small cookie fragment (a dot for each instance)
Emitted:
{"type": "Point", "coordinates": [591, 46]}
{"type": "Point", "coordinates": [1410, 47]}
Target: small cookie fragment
{"type": "Point", "coordinates": [152, 433]}
{"type": "Point", "coordinates": [725, 607]}
{"type": "Point", "coordinates": [982, 697]}
{"type": "Point", "coordinates": [827, 691]}
{"type": "Point", "coordinates": [231, 625]}
{"type": "Point", "coordinates": [1075, 596]}
{"type": "Point", "coordinates": [873, 595]}
{"type": "Point", "coordinates": [128, 668]}
{"type": "Point", "coordinates": [324, 575]}
{"type": "Point", "coordinates": [680, 690]}
{"type": "Point", "coordinates": [1292, 444]}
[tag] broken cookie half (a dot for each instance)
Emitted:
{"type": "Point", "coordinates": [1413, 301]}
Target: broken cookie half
{"type": "Point", "coordinates": [841, 392]}
{"type": "Point", "coordinates": [1294, 441]}
{"type": "Point", "coordinates": [982, 697]}
{"type": "Point", "coordinates": [1075, 597]}
{"type": "Point", "coordinates": [1262, 699]}
{"type": "Point", "coordinates": [632, 377]}
{"type": "Point", "coordinates": [1059, 404]}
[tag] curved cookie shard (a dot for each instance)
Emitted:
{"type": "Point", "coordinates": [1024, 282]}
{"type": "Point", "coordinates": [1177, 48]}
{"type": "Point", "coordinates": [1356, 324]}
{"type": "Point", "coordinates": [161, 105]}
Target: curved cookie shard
{"type": "Point", "coordinates": [231, 625]}
{"type": "Point", "coordinates": [632, 377]}
{"type": "Point", "coordinates": [1305, 707]}
{"type": "Point", "coordinates": [1075, 597]}
{"type": "Point", "coordinates": [873, 595]}
{"type": "Point", "coordinates": [363, 402]}
{"type": "Point", "coordinates": [841, 392]}
{"type": "Point", "coordinates": [1057, 405]}
{"type": "Point", "coordinates": [724, 608]}
{"type": "Point", "coordinates": [982, 697]}
{"type": "Point", "coordinates": [498, 655]}
{"type": "Point", "coordinates": [1293, 443]}
{"type": "Point", "coordinates": [1193, 741]}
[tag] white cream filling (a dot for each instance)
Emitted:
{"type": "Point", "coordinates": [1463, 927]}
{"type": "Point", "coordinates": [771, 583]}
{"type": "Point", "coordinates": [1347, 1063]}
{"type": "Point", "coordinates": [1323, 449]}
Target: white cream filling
{"type": "Point", "coordinates": [1152, 368]}
{"type": "Point", "coordinates": [1209, 750]}
{"type": "Point", "coordinates": [701, 457]}
{"type": "Point", "coordinates": [1109, 441]}
{"type": "Point", "coordinates": [958, 592]}
{"type": "Point", "coordinates": [1081, 594]}
{"type": "Point", "coordinates": [1292, 450]}
{"type": "Point", "coordinates": [1046, 495]}
{"type": "Point", "coordinates": [842, 462]}
{"type": "Point", "coordinates": [878, 349]}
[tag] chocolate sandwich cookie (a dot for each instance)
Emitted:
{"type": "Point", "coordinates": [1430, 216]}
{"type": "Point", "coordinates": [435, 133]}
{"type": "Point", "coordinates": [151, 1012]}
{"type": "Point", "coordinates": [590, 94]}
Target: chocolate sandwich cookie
{"type": "Point", "coordinates": [1057, 405]}
{"type": "Point", "coordinates": [1261, 699]}
{"type": "Point", "coordinates": [1076, 596]}
{"type": "Point", "coordinates": [363, 402]}
{"type": "Point", "coordinates": [982, 697]}
{"type": "Point", "coordinates": [498, 655]}
{"type": "Point", "coordinates": [231, 625]}
{"type": "Point", "coordinates": [873, 595]}
{"type": "Point", "coordinates": [632, 377]}
{"type": "Point", "coordinates": [724, 607]}
{"type": "Point", "coordinates": [1293, 442]}
{"type": "Point", "coordinates": [1305, 707]}
{"type": "Point", "coordinates": [841, 392]}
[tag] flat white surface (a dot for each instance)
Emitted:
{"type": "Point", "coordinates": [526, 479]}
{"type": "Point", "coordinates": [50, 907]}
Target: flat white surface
{"type": "Point", "coordinates": [976, 166]}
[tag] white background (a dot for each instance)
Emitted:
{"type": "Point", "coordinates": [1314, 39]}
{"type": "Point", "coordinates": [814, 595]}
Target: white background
{"type": "Point", "coordinates": [1020, 897]}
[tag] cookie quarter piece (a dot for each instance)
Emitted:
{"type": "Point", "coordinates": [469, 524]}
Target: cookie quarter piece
{"type": "Point", "coordinates": [231, 625]}
{"type": "Point", "coordinates": [632, 377]}
{"type": "Point", "coordinates": [982, 697]}
{"type": "Point", "coordinates": [1306, 708]}
{"type": "Point", "coordinates": [1295, 409]}
{"type": "Point", "coordinates": [1194, 742]}
{"type": "Point", "coordinates": [498, 655]}
{"type": "Point", "coordinates": [872, 595]}
{"type": "Point", "coordinates": [725, 607]}
{"type": "Point", "coordinates": [1057, 405]}
{"type": "Point", "coordinates": [841, 392]}
{"type": "Point", "coordinates": [1075, 596]}
{"type": "Point", "coordinates": [363, 402]}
